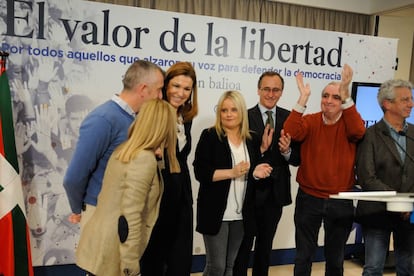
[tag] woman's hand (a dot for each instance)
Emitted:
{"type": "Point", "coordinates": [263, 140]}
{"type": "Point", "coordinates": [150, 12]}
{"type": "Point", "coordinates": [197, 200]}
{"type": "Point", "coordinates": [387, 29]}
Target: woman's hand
{"type": "Point", "coordinates": [262, 171]}
{"type": "Point", "coordinates": [158, 153]}
{"type": "Point", "coordinates": [241, 169]}
{"type": "Point", "coordinates": [74, 218]}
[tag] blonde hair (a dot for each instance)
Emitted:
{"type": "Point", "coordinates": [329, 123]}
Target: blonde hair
{"type": "Point", "coordinates": [237, 98]}
{"type": "Point", "coordinates": [154, 127]}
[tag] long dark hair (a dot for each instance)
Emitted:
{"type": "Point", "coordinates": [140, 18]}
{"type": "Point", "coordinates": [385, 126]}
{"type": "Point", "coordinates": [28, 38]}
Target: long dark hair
{"type": "Point", "coordinates": [190, 108]}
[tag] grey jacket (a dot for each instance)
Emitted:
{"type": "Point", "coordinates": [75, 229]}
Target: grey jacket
{"type": "Point", "coordinates": [380, 168]}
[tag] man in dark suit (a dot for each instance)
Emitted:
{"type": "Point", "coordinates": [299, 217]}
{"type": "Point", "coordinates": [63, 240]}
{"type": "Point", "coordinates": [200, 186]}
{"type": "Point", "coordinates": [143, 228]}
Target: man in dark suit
{"type": "Point", "coordinates": [273, 192]}
{"type": "Point", "coordinates": [385, 162]}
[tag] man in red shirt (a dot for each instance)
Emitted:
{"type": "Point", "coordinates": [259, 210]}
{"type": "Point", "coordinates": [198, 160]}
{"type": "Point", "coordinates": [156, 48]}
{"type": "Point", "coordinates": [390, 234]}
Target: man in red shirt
{"type": "Point", "coordinates": [328, 153]}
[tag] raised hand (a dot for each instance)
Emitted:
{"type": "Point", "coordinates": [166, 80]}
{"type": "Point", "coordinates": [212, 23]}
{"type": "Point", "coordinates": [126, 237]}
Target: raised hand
{"type": "Point", "coordinates": [45, 72]}
{"type": "Point", "coordinates": [46, 118]}
{"type": "Point", "coordinates": [47, 69]}
{"type": "Point", "coordinates": [57, 97]}
{"type": "Point", "coordinates": [346, 78]}
{"type": "Point", "coordinates": [56, 33]}
{"type": "Point", "coordinates": [284, 141]}
{"type": "Point", "coordinates": [22, 93]}
{"type": "Point", "coordinates": [304, 90]}
{"type": "Point", "coordinates": [23, 140]}
{"type": "Point", "coordinates": [21, 90]}
{"type": "Point", "coordinates": [267, 138]}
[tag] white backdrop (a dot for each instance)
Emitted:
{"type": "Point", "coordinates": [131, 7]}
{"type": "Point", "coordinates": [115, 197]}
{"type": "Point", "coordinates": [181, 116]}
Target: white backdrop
{"type": "Point", "coordinates": [61, 48]}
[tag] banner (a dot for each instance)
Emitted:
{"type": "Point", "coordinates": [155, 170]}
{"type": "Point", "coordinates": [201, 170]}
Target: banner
{"type": "Point", "coordinates": [66, 52]}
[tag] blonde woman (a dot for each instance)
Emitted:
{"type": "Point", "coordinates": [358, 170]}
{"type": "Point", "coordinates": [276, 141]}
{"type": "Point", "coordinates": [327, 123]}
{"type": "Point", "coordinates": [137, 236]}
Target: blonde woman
{"type": "Point", "coordinates": [224, 160]}
{"type": "Point", "coordinates": [117, 234]}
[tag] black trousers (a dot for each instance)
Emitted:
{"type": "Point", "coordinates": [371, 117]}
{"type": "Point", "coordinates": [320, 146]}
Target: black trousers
{"type": "Point", "coordinates": [337, 218]}
{"type": "Point", "coordinates": [169, 251]}
{"type": "Point", "coordinates": [267, 216]}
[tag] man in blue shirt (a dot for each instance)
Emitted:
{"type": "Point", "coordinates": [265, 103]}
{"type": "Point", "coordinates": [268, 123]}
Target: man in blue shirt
{"type": "Point", "coordinates": [102, 131]}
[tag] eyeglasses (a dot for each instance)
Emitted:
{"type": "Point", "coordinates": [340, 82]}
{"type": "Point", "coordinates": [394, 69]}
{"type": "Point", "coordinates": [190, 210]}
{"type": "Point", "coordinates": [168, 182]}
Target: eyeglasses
{"type": "Point", "coordinates": [273, 90]}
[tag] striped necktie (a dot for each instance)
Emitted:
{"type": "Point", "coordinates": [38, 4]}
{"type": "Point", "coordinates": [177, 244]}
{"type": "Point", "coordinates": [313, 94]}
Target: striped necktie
{"type": "Point", "coordinates": [270, 120]}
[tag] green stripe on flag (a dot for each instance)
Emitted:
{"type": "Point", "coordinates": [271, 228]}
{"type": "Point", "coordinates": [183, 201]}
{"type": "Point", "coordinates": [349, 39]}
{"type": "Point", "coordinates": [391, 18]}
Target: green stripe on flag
{"type": "Point", "coordinates": [6, 117]}
{"type": "Point", "coordinates": [21, 257]}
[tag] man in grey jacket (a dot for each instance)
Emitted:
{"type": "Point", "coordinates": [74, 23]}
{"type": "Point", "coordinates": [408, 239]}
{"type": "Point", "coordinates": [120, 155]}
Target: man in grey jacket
{"type": "Point", "coordinates": [385, 163]}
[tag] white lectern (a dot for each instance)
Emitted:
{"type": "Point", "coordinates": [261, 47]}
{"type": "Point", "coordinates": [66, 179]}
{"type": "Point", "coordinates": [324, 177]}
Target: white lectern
{"type": "Point", "coordinates": [396, 202]}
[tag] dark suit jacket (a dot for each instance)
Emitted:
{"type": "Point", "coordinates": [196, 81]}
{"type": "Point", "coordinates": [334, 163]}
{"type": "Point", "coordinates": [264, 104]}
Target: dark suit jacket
{"type": "Point", "coordinates": [212, 154]}
{"type": "Point", "coordinates": [279, 182]}
{"type": "Point", "coordinates": [178, 195]}
{"type": "Point", "coordinates": [178, 185]}
{"type": "Point", "coordinates": [380, 168]}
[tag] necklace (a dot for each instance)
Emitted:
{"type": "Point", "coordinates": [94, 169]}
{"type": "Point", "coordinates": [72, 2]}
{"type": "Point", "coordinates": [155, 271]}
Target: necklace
{"type": "Point", "coordinates": [234, 180]}
{"type": "Point", "coordinates": [182, 139]}
{"type": "Point", "coordinates": [180, 124]}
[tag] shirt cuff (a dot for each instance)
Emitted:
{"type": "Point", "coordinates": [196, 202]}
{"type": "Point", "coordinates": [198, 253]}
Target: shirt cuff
{"type": "Point", "coordinates": [299, 108]}
{"type": "Point", "coordinates": [286, 155]}
{"type": "Point", "coordinates": [347, 103]}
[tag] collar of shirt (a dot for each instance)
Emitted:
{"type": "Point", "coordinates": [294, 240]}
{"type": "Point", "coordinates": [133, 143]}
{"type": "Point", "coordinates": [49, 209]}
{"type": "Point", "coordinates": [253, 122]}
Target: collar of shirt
{"type": "Point", "coordinates": [400, 139]}
{"type": "Point", "coordinates": [123, 105]}
{"type": "Point", "coordinates": [394, 132]}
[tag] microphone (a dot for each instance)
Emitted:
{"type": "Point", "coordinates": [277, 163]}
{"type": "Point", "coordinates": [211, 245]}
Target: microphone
{"type": "Point", "coordinates": [402, 133]}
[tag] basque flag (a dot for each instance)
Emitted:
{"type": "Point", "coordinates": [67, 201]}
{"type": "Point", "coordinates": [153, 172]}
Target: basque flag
{"type": "Point", "coordinates": [15, 258]}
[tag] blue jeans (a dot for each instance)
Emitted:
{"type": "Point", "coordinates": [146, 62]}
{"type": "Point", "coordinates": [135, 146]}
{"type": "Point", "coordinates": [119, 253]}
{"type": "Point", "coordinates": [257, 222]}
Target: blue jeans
{"type": "Point", "coordinates": [377, 242]}
{"type": "Point", "coordinates": [222, 248]}
{"type": "Point", "coordinates": [337, 218]}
